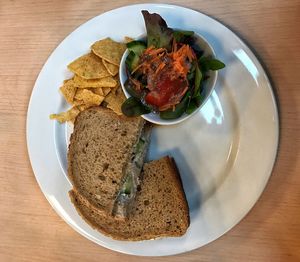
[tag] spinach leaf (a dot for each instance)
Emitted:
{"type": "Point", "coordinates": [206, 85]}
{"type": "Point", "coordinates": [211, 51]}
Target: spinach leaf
{"type": "Point", "coordinates": [194, 103]}
{"type": "Point", "coordinates": [203, 64]}
{"type": "Point", "coordinates": [198, 78]}
{"type": "Point", "coordinates": [134, 107]}
{"type": "Point", "coordinates": [129, 86]}
{"type": "Point", "coordinates": [192, 106]}
{"type": "Point", "coordinates": [207, 63]}
{"type": "Point", "coordinates": [198, 99]}
{"type": "Point", "coordinates": [181, 35]}
{"type": "Point", "coordinates": [158, 33]}
{"type": "Point", "coordinates": [191, 74]}
{"type": "Point", "coordinates": [179, 109]}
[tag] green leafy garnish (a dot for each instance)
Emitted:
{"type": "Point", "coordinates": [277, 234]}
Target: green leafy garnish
{"type": "Point", "coordinates": [180, 35]}
{"type": "Point", "coordinates": [194, 103]}
{"type": "Point", "coordinates": [134, 107]}
{"type": "Point", "coordinates": [192, 106]}
{"type": "Point", "coordinates": [158, 33]}
{"type": "Point", "coordinates": [131, 89]}
{"type": "Point", "coordinates": [198, 78]}
{"type": "Point", "coordinates": [198, 99]}
{"type": "Point", "coordinates": [179, 109]}
{"type": "Point", "coordinates": [191, 74]}
{"type": "Point", "coordinates": [207, 63]}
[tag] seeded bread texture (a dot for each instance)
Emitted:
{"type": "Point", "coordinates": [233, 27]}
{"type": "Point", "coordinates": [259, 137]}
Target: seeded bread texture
{"type": "Point", "coordinates": [100, 148]}
{"type": "Point", "coordinates": [160, 209]}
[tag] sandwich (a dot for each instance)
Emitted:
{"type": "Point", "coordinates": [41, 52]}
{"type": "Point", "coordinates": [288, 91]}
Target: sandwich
{"type": "Point", "coordinates": [105, 158]}
{"type": "Point", "coordinates": [159, 210]}
{"type": "Point", "coordinates": [113, 190]}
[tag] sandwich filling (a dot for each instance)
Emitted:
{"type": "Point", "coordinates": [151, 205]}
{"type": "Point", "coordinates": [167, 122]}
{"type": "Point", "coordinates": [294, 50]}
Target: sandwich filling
{"type": "Point", "coordinates": [131, 181]}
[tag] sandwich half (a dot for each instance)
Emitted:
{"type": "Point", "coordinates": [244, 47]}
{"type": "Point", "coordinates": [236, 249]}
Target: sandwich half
{"type": "Point", "coordinates": [159, 210]}
{"type": "Point", "coordinates": [105, 157]}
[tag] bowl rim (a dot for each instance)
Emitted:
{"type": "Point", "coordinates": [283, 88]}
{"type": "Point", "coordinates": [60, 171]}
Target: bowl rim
{"type": "Point", "coordinates": [183, 117]}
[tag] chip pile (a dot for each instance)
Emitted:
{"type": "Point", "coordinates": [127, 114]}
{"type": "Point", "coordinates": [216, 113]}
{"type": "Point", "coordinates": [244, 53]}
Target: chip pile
{"type": "Point", "coordinates": [95, 81]}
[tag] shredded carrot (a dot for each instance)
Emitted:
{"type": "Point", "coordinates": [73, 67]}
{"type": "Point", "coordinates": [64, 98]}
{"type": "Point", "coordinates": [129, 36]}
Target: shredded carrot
{"type": "Point", "coordinates": [153, 51]}
{"type": "Point", "coordinates": [180, 56]}
{"type": "Point", "coordinates": [136, 83]}
{"type": "Point", "coordinates": [152, 54]}
{"type": "Point", "coordinates": [174, 45]}
{"type": "Point", "coordinates": [160, 67]}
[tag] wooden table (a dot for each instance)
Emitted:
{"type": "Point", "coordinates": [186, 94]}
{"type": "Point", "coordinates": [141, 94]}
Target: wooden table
{"type": "Point", "coordinates": [32, 231]}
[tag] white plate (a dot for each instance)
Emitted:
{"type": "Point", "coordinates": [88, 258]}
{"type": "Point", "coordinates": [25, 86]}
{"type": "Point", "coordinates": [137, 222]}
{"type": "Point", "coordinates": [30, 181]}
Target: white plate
{"type": "Point", "coordinates": [225, 152]}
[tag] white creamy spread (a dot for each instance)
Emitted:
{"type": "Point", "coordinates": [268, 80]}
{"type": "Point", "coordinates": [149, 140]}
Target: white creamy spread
{"type": "Point", "coordinates": [126, 196]}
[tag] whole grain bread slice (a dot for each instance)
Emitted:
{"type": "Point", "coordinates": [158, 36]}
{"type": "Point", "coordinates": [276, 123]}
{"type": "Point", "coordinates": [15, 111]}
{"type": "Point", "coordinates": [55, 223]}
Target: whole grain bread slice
{"type": "Point", "coordinates": [99, 150]}
{"type": "Point", "coordinates": [160, 208]}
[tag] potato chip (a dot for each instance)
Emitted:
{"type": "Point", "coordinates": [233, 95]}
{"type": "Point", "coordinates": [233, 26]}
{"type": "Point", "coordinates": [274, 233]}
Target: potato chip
{"type": "Point", "coordinates": [115, 100]}
{"type": "Point", "coordinates": [68, 90]}
{"type": "Point", "coordinates": [101, 91]}
{"type": "Point", "coordinates": [98, 91]}
{"type": "Point", "coordinates": [88, 83]}
{"type": "Point", "coordinates": [95, 80]}
{"type": "Point", "coordinates": [89, 66]}
{"type": "Point", "coordinates": [111, 68]}
{"type": "Point", "coordinates": [109, 50]}
{"type": "Point", "coordinates": [88, 97]}
{"type": "Point", "coordinates": [70, 115]}
{"type": "Point", "coordinates": [106, 90]}
{"type": "Point", "coordinates": [118, 85]}
{"type": "Point", "coordinates": [84, 106]}
{"type": "Point", "coordinates": [77, 102]}
{"type": "Point", "coordinates": [128, 39]}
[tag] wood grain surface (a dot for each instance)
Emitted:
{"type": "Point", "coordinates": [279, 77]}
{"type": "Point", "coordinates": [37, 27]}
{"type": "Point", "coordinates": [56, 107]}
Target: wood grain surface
{"type": "Point", "coordinates": [32, 231]}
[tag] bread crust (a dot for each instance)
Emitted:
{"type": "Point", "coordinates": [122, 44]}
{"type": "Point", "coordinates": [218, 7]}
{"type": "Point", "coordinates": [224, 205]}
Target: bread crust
{"type": "Point", "coordinates": [161, 208]}
{"type": "Point", "coordinates": [99, 150]}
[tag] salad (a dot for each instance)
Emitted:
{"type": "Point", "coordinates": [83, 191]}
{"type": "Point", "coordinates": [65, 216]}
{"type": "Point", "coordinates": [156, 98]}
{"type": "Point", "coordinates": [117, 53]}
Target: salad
{"type": "Point", "coordinates": [165, 71]}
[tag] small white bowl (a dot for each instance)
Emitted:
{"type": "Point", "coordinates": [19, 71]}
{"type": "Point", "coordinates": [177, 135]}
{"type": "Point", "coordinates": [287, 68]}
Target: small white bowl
{"type": "Point", "coordinates": [208, 84]}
